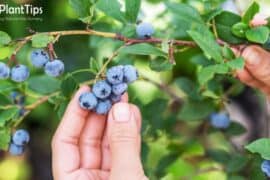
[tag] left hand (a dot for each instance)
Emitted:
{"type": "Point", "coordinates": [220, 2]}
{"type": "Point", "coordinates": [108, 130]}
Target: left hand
{"type": "Point", "coordinates": [87, 146]}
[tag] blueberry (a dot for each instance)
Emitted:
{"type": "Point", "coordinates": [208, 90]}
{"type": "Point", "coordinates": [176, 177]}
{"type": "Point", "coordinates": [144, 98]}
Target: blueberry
{"type": "Point", "coordinates": [4, 71]}
{"type": "Point", "coordinates": [115, 98]}
{"type": "Point", "coordinates": [54, 68]}
{"type": "Point", "coordinates": [130, 73]}
{"type": "Point", "coordinates": [21, 137]}
{"type": "Point", "coordinates": [265, 167]}
{"type": "Point", "coordinates": [119, 89]}
{"type": "Point", "coordinates": [88, 101]}
{"type": "Point", "coordinates": [103, 107]}
{"type": "Point", "coordinates": [220, 120]}
{"type": "Point", "coordinates": [39, 58]}
{"type": "Point", "coordinates": [19, 73]}
{"type": "Point", "coordinates": [17, 98]}
{"type": "Point", "coordinates": [115, 75]}
{"type": "Point", "coordinates": [102, 89]}
{"type": "Point", "coordinates": [144, 30]}
{"type": "Point", "coordinates": [15, 150]}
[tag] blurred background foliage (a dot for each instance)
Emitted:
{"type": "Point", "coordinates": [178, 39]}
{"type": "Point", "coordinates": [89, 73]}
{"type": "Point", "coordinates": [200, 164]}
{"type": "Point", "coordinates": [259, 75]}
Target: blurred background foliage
{"type": "Point", "coordinates": [172, 147]}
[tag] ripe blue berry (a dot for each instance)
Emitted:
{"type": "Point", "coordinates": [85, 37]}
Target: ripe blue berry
{"type": "Point", "coordinates": [54, 68]}
{"type": "Point", "coordinates": [19, 73]}
{"type": "Point", "coordinates": [4, 71]}
{"type": "Point", "coordinates": [103, 107]}
{"type": "Point", "coordinates": [115, 98]}
{"type": "Point", "coordinates": [20, 137]}
{"type": "Point", "coordinates": [17, 98]}
{"type": "Point", "coordinates": [220, 120]}
{"type": "Point", "coordinates": [265, 167]}
{"type": "Point", "coordinates": [119, 89]}
{"type": "Point", "coordinates": [145, 30]}
{"type": "Point", "coordinates": [115, 75]}
{"type": "Point", "coordinates": [130, 73]}
{"type": "Point", "coordinates": [102, 89]}
{"type": "Point", "coordinates": [88, 101]}
{"type": "Point", "coordinates": [39, 58]}
{"type": "Point", "coordinates": [15, 150]}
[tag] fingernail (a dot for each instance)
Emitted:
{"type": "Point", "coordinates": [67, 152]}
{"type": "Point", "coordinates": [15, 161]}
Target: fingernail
{"type": "Point", "coordinates": [121, 112]}
{"type": "Point", "coordinates": [253, 59]}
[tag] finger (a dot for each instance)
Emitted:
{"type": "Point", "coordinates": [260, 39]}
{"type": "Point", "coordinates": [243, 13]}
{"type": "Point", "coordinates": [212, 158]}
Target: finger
{"type": "Point", "coordinates": [123, 136]}
{"type": "Point", "coordinates": [106, 153]}
{"type": "Point", "coordinates": [247, 78]}
{"type": "Point", "coordinates": [258, 63]}
{"type": "Point", "coordinates": [90, 141]}
{"type": "Point", "coordinates": [65, 152]}
{"type": "Point", "coordinates": [259, 20]}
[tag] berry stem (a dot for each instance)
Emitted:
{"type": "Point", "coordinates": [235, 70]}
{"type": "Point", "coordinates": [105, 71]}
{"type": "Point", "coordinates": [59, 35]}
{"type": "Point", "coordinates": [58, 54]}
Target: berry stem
{"type": "Point", "coordinates": [103, 68]}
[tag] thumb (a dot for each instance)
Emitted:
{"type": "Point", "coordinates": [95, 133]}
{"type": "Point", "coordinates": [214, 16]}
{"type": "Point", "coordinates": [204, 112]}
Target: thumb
{"type": "Point", "coordinates": [258, 63]}
{"type": "Point", "coordinates": [124, 135]}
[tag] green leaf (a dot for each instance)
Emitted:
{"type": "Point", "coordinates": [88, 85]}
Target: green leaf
{"type": "Point", "coordinates": [188, 87]}
{"type": "Point", "coordinates": [224, 23]}
{"type": "Point", "coordinates": [81, 7]}
{"type": "Point", "coordinates": [69, 85]}
{"type": "Point", "coordinates": [7, 115]}
{"type": "Point", "coordinates": [218, 155]}
{"type": "Point", "coordinates": [209, 72]}
{"type": "Point", "coordinates": [44, 84]}
{"type": "Point", "coordinates": [5, 52]}
{"type": "Point", "coordinates": [251, 12]}
{"type": "Point", "coordinates": [6, 86]}
{"type": "Point", "coordinates": [143, 49]}
{"type": "Point", "coordinates": [41, 40]}
{"type": "Point", "coordinates": [261, 146]}
{"type": "Point", "coordinates": [212, 14]}
{"type": "Point", "coordinates": [258, 34]}
{"type": "Point", "coordinates": [132, 9]}
{"type": "Point", "coordinates": [160, 64]}
{"type": "Point", "coordinates": [237, 63]}
{"type": "Point", "coordinates": [4, 100]}
{"type": "Point", "coordinates": [95, 65]}
{"type": "Point", "coordinates": [4, 38]}
{"type": "Point", "coordinates": [205, 39]}
{"type": "Point", "coordinates": [62, 108]}
{"type": "Point", "coordinates": [239, 29]}
{"type": "Point", "coordinates": [180, 168]}
{"type": "Point", "coordinates": [227, 53]}
{"type": "Point", "coordinates": [5, 138]}
{"type": "Point", "coordinates": [235, 129]}
{"type": "Point", "coordinates": [236, 163]}
{"type": "Point", "coordinates": [185, 12]}
{"type": "Point", "coordinates": [196, 110]}
{"type": "Point", "coordinates": [112, 9]}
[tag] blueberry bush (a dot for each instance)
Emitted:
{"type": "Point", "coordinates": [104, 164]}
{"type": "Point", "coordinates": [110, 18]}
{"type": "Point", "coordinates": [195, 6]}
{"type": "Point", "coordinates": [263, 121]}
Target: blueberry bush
{"type": "Point", "coordinates": [187, 130]}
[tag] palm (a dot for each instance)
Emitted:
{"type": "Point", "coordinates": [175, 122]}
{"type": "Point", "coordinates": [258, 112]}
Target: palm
{"type": "Point", "coordinates": [80, 148]}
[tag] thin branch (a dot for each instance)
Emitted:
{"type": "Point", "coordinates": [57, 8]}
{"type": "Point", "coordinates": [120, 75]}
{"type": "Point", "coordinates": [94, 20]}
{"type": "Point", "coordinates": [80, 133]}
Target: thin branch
{"type": "Point", "coordinates": [103, 68]}
{"type": "Point", "coordinates": [164, 88]}
{"type": "Point", "coordinates": [40, 101]}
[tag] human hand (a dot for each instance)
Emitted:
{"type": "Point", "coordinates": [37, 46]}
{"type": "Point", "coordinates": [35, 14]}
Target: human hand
{"type": "Point", "coordinates": [257, 64]}
{"type": "Point", "coordinates": [87, 146]}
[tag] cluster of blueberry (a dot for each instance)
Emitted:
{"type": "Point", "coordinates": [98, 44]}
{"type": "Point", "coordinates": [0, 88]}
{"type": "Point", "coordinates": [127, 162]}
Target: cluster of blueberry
{"type": "Point", "coordinates": [265, 167]}
{"type": "Point", "coordinates": [220, 120]}
{"type": "Point", "coordinates": [39, 59]}
{"type": "Point", "coordinates": [106, 92]}
{"type": "Point", "coordinates": [18, 141]}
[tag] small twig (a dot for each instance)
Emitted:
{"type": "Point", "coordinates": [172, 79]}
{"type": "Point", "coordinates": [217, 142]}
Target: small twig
{"type": "Point", "coordinates": [171, 53]}
{"type": "Point", "coordinates": [40, 101]}
{"type": "Point", "coordinates": [103, 68]}
{"type": "Point", "coordinates": [164, 88]}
